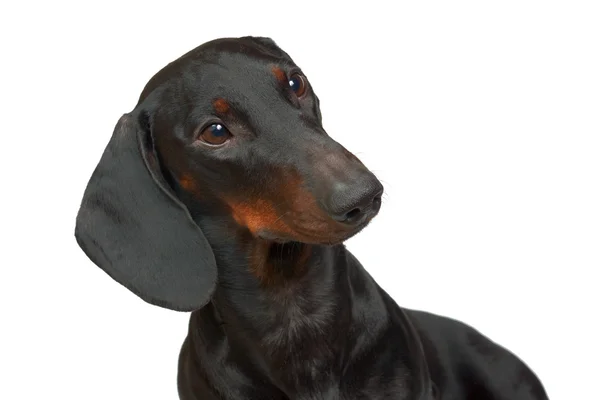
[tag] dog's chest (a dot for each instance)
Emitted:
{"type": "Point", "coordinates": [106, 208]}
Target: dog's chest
{"type": "Point", "coordinates": [308, 353]}
{"type": "Point", "coordinates": [391, 391]}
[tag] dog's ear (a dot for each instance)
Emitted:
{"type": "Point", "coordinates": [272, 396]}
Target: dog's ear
{"type": "Point", "coordinates": [265, 41]}
{"type": "Point", "coordinates": [269, 44]}
{"type": "Point", "coordinates": [132, 226]}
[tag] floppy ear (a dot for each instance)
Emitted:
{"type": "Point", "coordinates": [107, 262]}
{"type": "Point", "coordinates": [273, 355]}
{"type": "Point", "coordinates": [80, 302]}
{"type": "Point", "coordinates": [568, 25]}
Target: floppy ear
{"type": "Point", "coordinates": [133, 227]}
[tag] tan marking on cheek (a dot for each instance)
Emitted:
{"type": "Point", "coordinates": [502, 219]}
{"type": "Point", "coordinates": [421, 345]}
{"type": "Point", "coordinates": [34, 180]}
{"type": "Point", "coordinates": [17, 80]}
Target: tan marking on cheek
{"type": "Point", "coordinates": [279, 74]}
{"type": "Point", "coordinates": [188, 183]}
{"type": "Point", "coordinates": [221, 106]}
{"type": "Point", "coordinates": [257, 215]}
{"type": "Point", "coordinates": [298, 216]}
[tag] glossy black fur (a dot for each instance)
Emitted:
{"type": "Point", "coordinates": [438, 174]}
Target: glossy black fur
{"type": "Point", "coordinates": [244, 235]}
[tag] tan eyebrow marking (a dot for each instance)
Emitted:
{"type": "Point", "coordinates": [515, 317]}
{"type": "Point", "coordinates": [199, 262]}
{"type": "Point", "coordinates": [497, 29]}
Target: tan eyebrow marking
{"type": "Point", "coordinates": [279, 74]}
{"type": "Point", "coordinates": [221, 106]}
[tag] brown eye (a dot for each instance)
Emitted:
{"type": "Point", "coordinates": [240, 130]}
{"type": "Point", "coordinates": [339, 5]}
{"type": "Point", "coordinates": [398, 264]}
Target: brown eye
{"type": "Point", "coordinates": [215, 134]}
{"type": "Point", "coordinates": [298, 84]}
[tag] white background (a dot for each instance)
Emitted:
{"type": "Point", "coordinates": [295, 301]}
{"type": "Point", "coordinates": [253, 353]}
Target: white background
{"type": "Point", "coordinates": [482, 120]}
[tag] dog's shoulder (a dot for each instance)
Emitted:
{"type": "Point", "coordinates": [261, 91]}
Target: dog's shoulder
{"type": "Point", "coordinates": [462, 359]}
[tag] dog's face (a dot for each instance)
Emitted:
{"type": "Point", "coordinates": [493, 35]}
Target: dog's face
{"type": "Point", "coordinates": [239, 125]}
{"type": "Point", "coordinates": [232, 130]}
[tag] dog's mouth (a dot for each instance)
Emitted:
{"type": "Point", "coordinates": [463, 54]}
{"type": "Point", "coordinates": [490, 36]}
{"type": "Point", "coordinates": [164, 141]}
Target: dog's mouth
{"type": "Point", "coordinates": [329, 236]}
{"type": "Point", "coordinates": [301, 220]}
{"type": "Point", "coordinates": [270, 236]}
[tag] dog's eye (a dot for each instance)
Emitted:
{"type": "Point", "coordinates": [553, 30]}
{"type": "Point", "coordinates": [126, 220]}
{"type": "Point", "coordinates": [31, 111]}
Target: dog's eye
{"type": "Point", "coordinates": [215, 134]}
{"type": "Point", "coordinates": [298, 84]}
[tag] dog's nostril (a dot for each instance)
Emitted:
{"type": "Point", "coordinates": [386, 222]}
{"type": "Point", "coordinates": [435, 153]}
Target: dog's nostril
{"type": "Point", "coordinates": [352, 214]}
{"type": "Point", "coordinates": [377, 203]}
{"type": "Point", "coordinates": [354, 202]}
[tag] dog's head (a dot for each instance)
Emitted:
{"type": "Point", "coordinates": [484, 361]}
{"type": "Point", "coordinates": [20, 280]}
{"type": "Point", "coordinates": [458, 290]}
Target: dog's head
{"type": "Point", "coordinates": [232, 128]}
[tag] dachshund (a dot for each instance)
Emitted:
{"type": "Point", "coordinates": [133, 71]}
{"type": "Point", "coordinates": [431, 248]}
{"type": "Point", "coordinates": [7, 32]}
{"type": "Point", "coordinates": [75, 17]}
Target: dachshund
{"type": "Point", "coordinates": [222, 195]}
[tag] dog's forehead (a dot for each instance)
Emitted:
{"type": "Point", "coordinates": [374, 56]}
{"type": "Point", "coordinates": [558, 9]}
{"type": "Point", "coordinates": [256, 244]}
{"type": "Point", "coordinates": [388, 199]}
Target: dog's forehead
{"type": "Point", "coordinates": [225, 63]}
{"type": "Point", "coordinates": [238, 68]}
{"type": "Point", "coordinates": [235, 62]}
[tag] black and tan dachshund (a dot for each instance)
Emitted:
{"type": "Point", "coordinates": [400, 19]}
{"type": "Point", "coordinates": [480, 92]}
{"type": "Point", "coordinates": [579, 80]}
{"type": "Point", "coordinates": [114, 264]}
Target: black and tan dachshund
{"type": "Point", "coordinates": [221, 194]}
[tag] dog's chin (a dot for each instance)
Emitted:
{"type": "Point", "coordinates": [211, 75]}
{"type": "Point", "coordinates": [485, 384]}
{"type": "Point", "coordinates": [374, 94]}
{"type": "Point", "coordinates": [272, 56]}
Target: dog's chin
{"type": "Point", "coordinates": [272, 237]}
{"type": "Point", "coordinates": [323, 238]}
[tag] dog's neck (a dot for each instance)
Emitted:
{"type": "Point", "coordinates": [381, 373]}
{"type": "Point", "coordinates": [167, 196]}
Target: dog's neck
{"type": "Point", "coordinates": [272, 286]}
{"type": "Point", "coordinates": [297, 313]}
{"type": "Point", "coordinates": [281, 304]}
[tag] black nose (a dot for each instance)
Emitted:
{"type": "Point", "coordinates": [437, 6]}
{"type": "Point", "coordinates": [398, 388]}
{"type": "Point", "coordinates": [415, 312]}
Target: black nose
{"type": "Point", "coordinates": [352, 202]}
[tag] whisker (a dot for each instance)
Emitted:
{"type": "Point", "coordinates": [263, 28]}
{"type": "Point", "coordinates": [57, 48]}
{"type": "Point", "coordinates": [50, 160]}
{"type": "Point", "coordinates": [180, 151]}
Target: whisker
{"type": "Point", "coordinates": [281, 216]}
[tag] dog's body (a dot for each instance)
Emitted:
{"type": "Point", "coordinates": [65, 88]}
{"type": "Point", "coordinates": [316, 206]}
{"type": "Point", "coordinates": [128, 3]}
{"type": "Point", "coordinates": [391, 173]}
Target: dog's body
{"type": "Point", "coordinates": [221, 194]}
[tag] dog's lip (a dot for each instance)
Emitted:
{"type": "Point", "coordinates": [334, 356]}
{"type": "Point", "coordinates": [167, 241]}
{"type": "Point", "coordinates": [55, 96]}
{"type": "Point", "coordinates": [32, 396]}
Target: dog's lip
{"type": "Point", "coordinates": [271, 236]}
{"type": "Point", "coordinates": [357, 228]}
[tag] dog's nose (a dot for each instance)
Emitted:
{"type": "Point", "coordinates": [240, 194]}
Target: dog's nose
{"type": "Point", "coordinates": [351, 202]}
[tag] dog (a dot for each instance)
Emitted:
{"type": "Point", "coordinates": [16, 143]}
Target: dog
{"type": "Point", "coordinates": [222, 194]}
